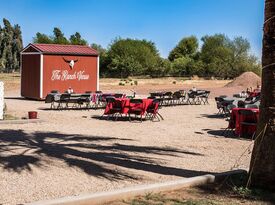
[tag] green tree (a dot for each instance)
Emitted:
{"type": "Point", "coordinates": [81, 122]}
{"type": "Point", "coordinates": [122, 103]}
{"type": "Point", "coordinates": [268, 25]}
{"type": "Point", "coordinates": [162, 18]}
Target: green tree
{"type": "Point", "coordinates": [187, 47]}
{"type": "Point", "coordinates": [59, 37]}
{"type": "Point", "coordinates": [227, 58]}
{"type": "Point", "coordinates": [42, 38]}
{"type": "Point", "coordinates": [76, 39]}
{"type": "Point", "coordinates": [103, 59]}
{"type": "Point", "coordinates": [130, 57]}
{"type": "Point", "coordinates": [10, 47]}
{"type": "Point", "coordinates": [181, 66]}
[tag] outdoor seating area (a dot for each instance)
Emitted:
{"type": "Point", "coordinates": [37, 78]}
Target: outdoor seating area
{"type": "Point", "coordinates": [241, 114]}
{"type": "Point", "coordinates": [181, 97]}
{"type": "Point", "coordinates": [87, 100]}
{"type": "Point", "coordinates": [139, 108]}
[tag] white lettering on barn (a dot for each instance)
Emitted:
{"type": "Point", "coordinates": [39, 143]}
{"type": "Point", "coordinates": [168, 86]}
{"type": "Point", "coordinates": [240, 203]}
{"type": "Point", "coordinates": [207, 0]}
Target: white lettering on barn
{"type": "Point", "coordinates": [64, 75]}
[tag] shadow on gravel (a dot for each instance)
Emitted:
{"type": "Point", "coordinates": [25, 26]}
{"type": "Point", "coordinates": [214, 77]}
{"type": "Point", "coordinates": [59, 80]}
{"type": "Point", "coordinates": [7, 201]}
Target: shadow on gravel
{"type": "Point", "coordinates": [99, 156]}
{"type": "Point", "coordinates": [212, 116]}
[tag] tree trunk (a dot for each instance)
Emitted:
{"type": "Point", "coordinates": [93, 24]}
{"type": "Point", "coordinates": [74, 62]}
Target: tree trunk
{"type": "Point", "coordinates": [262, 166]}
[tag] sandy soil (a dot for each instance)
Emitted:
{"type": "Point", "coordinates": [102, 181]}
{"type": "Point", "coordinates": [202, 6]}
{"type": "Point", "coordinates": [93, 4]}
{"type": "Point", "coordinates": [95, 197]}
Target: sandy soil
{"type": "Point", "coordinates": [73, 152]}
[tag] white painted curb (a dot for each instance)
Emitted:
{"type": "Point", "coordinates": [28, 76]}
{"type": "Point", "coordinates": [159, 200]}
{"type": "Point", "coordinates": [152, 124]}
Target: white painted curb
{"type": "Point", "coordinates": [27, 121]}
{"type": "Point", "coordinates": [105, 197]}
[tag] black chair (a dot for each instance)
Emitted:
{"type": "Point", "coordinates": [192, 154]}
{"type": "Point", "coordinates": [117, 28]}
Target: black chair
{"type": "Point", "coordinates": [204, 97]}
{"type": "Point", "coordinates": [228, 110]}
{"type": "Point", "coordinates": [64, 100]}
{"type": "Point", "coordinates": [137, 109]}
{"type": "Point", "coordinates": [231, 125]}
{"type": "Point", "coordinates": [118, 95]}
{"type": "Point", "coordinates": [241, 104]}
{"type": "Point", "coordinates": [177, 98]}
{"type": "Point", "coordinates": [250, 120]}
{"type": "Point", "coordinates": [192, 97]}
{"type": "Point", "coordinates": [115, 107]}
{"type": "Point", "coordinates": [54, 91]}
{"type": "Point", "coordinates": [152, 111]}
{"type": "Point", "coordinates": [85, 99]}
{"type": "Point", "coordinates": [168, 98]}
{"type": "Point", "coordinates": [50, 99]}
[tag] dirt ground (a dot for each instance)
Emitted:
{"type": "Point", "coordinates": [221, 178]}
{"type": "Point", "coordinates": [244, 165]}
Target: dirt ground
{"type": "Point", "coordinates": [72, 152]}
{"type": "Point", "coordinates": [197, 196]}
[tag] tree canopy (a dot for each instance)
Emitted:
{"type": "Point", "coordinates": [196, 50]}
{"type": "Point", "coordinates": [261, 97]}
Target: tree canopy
{"type": "Point", "coordinates": [10, 46]}
{"type": "Point", "coordinates": [212, 55]}
{"type": "Point", "coordinates": [59, 38]}
{"type": "Point", "coordinates": [187, 47]}
{"type": "Point", "coordinates": [128, 57]}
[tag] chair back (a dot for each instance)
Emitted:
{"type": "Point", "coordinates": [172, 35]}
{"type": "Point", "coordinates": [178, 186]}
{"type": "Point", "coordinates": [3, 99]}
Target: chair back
{"type": "Point", "coordinates": [177, 95]}
{"type": "Point", "coordinates": [49, 98]}
{"type": "Point", "coordinates": [110, 99]}
{"type": "Point", "coordinates": [118, 95]}
{"type": "Point", "coordinates": [241, 104]}
{"type": "Point", "coordinates": [249, 115]}
{"type": "Point", "coordinates": [136, 101]}
{"type": "Point", "coordinates": [168, 94]}
{"type": "Point", "coordinates": [54, 91]}
{"type": "Point", "coordinates": [153, 107]}
{"type": "Point", "coordinates": [206, 94]}
{"type": "Point", "coordinates": [65, 97]}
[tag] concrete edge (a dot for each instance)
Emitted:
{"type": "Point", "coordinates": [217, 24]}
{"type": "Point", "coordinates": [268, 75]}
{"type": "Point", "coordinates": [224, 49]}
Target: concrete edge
{"type": "Point", "coordinates": [27, 121]}
{"type": "Point", "coordinates": [105, 197]}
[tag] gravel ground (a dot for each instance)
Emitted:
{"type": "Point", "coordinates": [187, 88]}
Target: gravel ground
{"type": "Point", "coordinates": [73, 152]}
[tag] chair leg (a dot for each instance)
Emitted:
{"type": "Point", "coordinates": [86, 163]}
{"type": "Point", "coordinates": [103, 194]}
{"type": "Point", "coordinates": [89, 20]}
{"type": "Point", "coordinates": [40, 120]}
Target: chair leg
{"type": "Point", "coordinates": [160, 115]}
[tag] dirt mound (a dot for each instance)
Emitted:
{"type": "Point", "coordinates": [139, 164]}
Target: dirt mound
{"type": "Point", "coordinates": [247, 79]}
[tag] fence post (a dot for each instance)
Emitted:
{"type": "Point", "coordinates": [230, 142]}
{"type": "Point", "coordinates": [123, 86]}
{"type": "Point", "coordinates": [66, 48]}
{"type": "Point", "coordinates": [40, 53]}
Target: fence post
{"type": "Point", "coordinates": [1, 100]}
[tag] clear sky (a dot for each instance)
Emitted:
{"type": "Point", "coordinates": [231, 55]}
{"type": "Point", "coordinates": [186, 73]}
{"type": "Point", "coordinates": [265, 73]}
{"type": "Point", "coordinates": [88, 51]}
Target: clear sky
{"type": "Point", "coordinates": [164, 22]}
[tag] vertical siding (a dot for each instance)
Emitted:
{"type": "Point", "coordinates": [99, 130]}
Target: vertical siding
{"type": "Point", "coordinates": [88, 64]}
{"type": "Point", "coordinates": [30, 76]}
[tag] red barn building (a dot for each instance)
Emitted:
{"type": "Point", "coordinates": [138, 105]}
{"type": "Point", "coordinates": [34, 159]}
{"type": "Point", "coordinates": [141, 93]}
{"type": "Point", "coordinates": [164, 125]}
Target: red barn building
{"type": "Point", "coordinates": [47, 67]}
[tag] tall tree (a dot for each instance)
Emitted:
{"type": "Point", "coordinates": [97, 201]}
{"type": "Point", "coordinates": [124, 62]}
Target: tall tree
{"type": "Point", "coordinates": [59, 37]}
{"type": "Point", "coordinates": [10, 46]}
{"type": "Point", "coordinates": [76, 39]}
{"type": "Point", "coordinates": [262, 166]}
{"type": "Point", "coordinates": [129, 57]}
{"type": "Point", "coordinates": [187, 47]}
{"type": "Point", "coordinates": [42, 38]}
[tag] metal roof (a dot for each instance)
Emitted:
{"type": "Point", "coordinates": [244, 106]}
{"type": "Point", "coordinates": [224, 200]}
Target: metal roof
{"type": "Point", "coordinates": [63, 49]}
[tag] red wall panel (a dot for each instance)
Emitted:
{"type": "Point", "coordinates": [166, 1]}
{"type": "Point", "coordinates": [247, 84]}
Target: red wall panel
{"type": "Point", "coordinates": [58, 75]}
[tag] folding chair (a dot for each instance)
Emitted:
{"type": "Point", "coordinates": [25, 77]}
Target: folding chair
{"type": "Point", "coordinates": [152, 111]}
{"type": "Point", "coordinates": [64, 99]}
{"type": "Point", "coordinates": [135, 108]}
{"type": "Point", "coordinates": [115, 107]}
{"type": "Point", "coordinates": [204, 97]}
{"type": "Point", "coordinates": [250, 120]}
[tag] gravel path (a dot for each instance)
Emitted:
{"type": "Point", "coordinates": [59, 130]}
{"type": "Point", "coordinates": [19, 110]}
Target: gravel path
{"type": "Point", "coordinates": [73, 152]}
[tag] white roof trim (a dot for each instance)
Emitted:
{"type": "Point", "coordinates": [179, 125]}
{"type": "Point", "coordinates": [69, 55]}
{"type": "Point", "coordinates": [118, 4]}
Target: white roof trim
{"type": "Point", "coordinates": [30, 45]}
